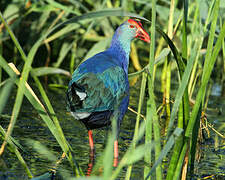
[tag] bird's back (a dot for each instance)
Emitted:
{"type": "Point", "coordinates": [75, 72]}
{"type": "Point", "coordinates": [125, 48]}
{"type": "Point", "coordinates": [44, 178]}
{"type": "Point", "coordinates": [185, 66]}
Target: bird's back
{"type": "Point", "coordinates": [97, 86]}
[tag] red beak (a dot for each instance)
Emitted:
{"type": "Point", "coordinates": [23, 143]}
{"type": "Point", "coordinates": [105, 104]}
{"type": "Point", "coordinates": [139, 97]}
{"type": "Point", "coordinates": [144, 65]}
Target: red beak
{"type": "Point", "coordinates": [143, 35]}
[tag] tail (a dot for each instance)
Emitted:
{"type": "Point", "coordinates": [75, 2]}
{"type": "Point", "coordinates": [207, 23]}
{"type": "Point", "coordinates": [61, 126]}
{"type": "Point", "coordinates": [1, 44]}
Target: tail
{"type": "Point", "coordinates": [75, 95]}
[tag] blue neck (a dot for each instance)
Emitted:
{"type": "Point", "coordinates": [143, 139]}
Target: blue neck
{"type": "Point", "coordinates": [120, 47]}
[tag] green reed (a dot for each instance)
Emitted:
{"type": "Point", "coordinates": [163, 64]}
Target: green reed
{"type": "Point", "coordinates": [182, 125]}
{"type": "Point", "coordinates": [153, 118]}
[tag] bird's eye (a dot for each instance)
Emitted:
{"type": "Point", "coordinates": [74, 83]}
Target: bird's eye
{"type": "Point", "coordinates": [131, 26]}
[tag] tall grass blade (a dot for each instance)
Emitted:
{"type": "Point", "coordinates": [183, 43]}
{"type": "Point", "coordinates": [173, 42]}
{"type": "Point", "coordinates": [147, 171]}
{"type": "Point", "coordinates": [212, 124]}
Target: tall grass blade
{"type": "Point", "coordinates": [159, 60]}
{"type": "Point", "coordinates": [180, 92]}
{"type": "Point", "coordinates": [141, 99]}
{"type": "Point", "coordinates": [154, 118]}
{"type": "Point", "coordinates": [194, 141]}
{"type": "Point", "coordinates": [108, 155]}
{"type": "Point", "coordinates": [166, 74]}
{"type": "Point", "coordinates": [101, 13]}
{"type": "Point", "coordinates": [41, 149]}
{"type": "Point", "coordinates": [43, 71]}
{"type": "Point", "coordinates": [184, 56]}
{"type": "Point", "coordinates": [5, 92]}
{"type": "Point", "coordinates": [179, 60]}
{"type": "Point", "coordinates": [184, 30]}
{"type": "Point", "coordinates": [181, 100]}
{"type": "Point", "coordinates": [62, 7]}
{"type": "Point", "coordinates": [66, 47]}
{"type": "Point", "coordinates": [177, 147]}
{"type": "Point", "coordinates": [181, 160]}
{"type": "Point", "coordinates": [177, 132]}
{"type": "Point", "coordinates": [98, 47]}
{"type": "Point", "coordinates": [148, 139]}
{"type": "Point", "coordinates": [215, 12]}
{"type": "Point", "coordinates": [61, 32]}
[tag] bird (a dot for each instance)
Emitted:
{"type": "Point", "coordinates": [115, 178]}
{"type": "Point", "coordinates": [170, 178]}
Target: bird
{"type": "Point", "coordinates": [99, 88]}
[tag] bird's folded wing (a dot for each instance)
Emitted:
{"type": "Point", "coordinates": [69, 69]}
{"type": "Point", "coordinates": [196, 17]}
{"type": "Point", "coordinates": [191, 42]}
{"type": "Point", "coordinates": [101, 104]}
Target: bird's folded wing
{"type": "Point", "coordinates": [93, 92]}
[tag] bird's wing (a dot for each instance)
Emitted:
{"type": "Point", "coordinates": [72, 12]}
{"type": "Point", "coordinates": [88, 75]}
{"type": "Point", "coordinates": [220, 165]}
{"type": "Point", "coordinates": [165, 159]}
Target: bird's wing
{"type": "Point", "coordinates": [97, 91]}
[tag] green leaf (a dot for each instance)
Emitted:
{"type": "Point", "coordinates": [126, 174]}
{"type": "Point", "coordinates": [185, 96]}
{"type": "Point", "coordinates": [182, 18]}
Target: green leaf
{"type": "Point", "coordinates": [162, 55]}
{"type": "Point", "coordinates": [158, 60]}
{"type": "Point", "coordinates": [42, 150]}
{"type": "Point", "coordinates": [62, 7]}
{"type": "Point", "coordinates": [45, 8]}
{"type": "Point", "coordinates": [98, 47]}
{"type": "Point", "coordinates": [101, 13]}
{"type": "Point", "coordinates": [42, 71]}
{"type": "Point", "coordinates": [11, 12]}
{"type": "Point", "coordinates": [5, 92]}
{"type": "Point", "coordinates": [137, 154]}
{"type": "Point", "coordinates": [66, 47]}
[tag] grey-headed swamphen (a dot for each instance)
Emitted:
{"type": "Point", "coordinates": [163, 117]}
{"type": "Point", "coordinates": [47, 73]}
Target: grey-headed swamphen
{"type": "Point", "coordinates": [99, 87]}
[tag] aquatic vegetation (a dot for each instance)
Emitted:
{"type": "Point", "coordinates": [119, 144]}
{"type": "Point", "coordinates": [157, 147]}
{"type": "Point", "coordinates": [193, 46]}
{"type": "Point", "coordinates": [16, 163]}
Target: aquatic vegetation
{"type": "Point", "coordinates": [42, 41]}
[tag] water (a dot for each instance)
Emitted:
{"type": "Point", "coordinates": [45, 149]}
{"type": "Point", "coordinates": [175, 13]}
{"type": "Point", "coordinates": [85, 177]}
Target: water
{"type": "Point", "coordinates": [30, 126]}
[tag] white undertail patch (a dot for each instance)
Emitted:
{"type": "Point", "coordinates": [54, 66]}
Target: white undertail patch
{"type": "Point", "coordinates": [80, 115]}
{"type": "Point", "coordinates": [82, 95]}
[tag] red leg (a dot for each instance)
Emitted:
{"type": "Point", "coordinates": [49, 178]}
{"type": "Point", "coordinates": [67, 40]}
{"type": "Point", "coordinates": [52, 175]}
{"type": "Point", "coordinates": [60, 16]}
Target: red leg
{"type": "Point", "coordinates": [91, 142]}
{"type": "Point", "coordinates": [116, 154]}
{"type": "Point", "coordinates": [91, 156]}
{"type": "Point", "coordinates": [91, 162]}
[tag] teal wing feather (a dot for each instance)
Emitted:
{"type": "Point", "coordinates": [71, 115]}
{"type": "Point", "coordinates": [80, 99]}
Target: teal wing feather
{"type": "Point", "coordinates": [103, 90]}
